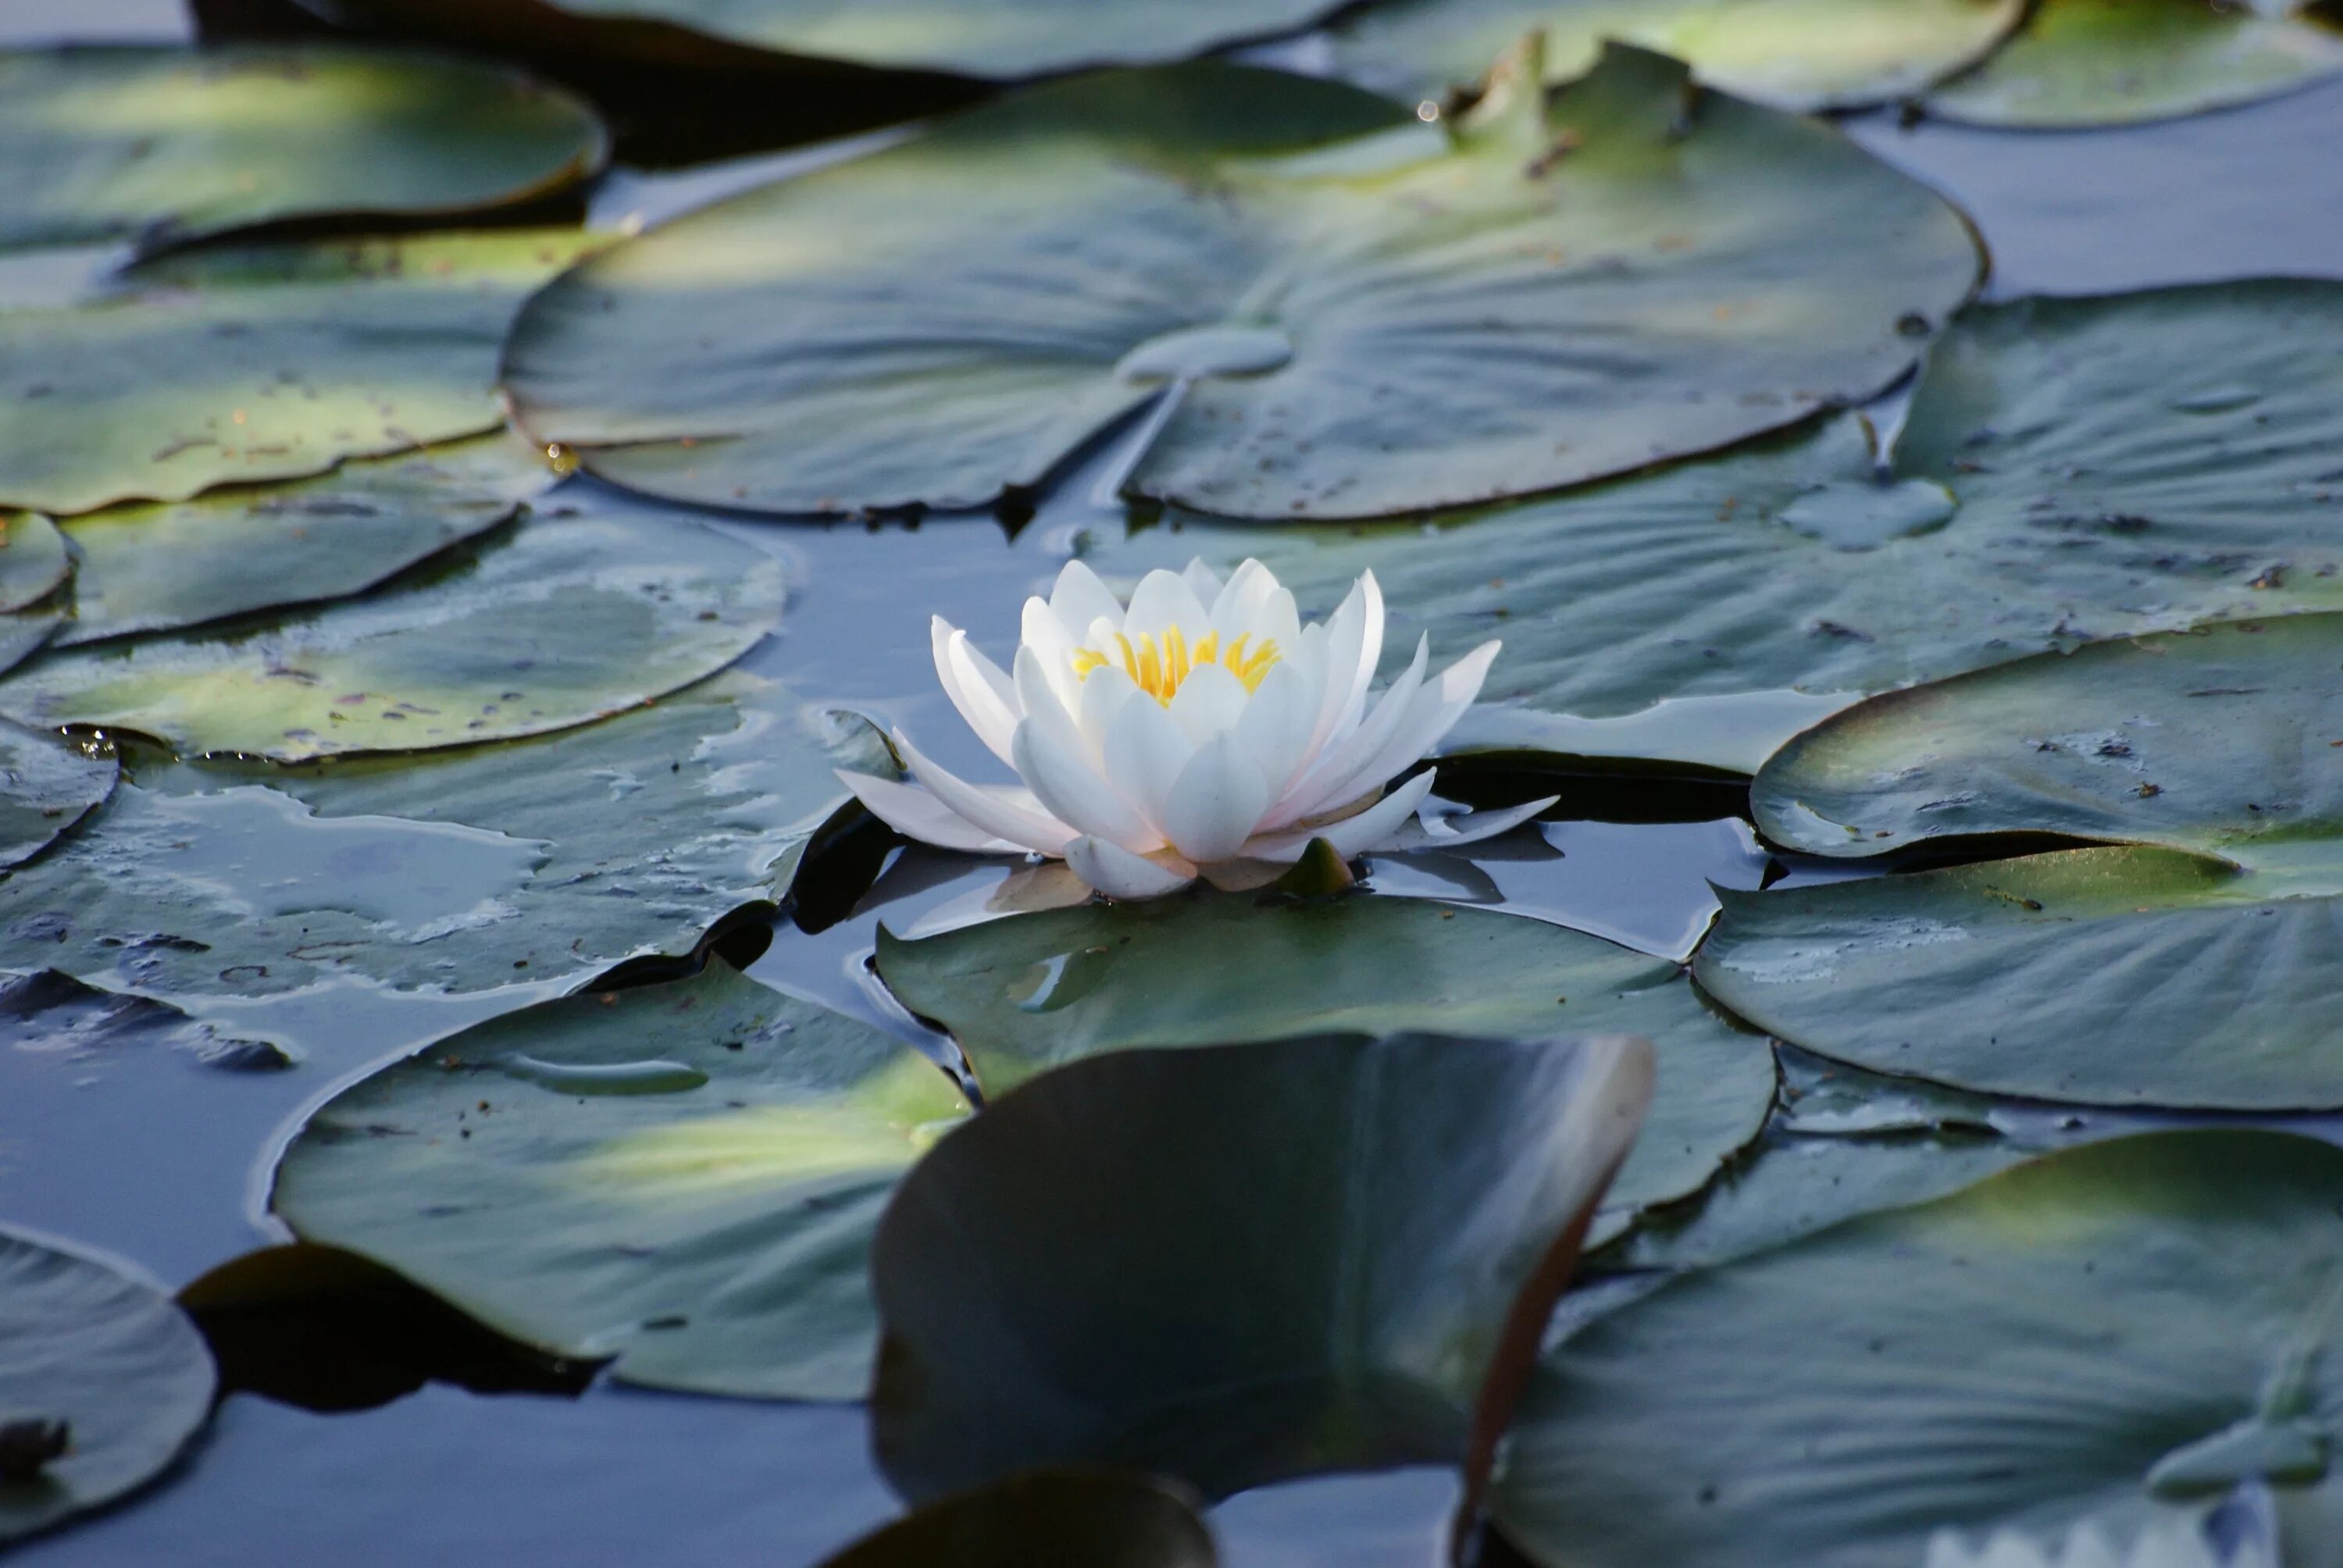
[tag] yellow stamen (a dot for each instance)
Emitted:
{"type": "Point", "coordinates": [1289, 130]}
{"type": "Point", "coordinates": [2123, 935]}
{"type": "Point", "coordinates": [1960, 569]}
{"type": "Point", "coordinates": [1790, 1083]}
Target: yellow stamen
{"type": "Point", "coordinates": [1160, 670]}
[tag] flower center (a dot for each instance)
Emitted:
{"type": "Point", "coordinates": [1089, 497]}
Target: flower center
{"type": "Point", "coordinates": [1159, 670]}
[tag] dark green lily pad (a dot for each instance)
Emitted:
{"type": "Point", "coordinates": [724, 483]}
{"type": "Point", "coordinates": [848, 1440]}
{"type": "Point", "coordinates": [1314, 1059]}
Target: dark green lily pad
{"type": "Point", "coordinates": [1360, 327]}
{"type": "Point", "coordinates": [269, 362]}
{"type": "Point", "coordinates": [1238, 1264]}
{"type": "Point", "coordinates": [565, 620]}
{"type": "Point", "coordinates": [972, 38]}
{"type": "Point", "coordinates": [179, 564]}
{"type": "Point", "coordinates": [1026, 993]}
{"type": "Point", "coordinates": [682, 1176]}
{"type": "Point", "coordinates": [166, 145]}
{"type": "Point", "coordinates": [33, 563]}
{"type": "Point", "coordinates": [1793, 54]}
{"type": "Point", "coordinates": [1093, 1518]}
{"type": "Point", "coordinates": [2119, 975]}
{"type": "Point", "coordinates": [2117, 466]}
{"type": "Point", "coordinates": [2109, 1332]}
{"type": "Point", "coordinates": [465, 870]}
{"type": "Point", "coordinates": [47, 784]}
{"type": "Point", "coordinates": [2080, 63]}
{"type": "Point", "coordinates": [94, 1365]}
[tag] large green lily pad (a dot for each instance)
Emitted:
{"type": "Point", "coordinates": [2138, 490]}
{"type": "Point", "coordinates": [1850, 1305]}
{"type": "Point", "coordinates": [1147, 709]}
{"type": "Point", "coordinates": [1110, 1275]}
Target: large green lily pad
{"type": "Point", "coordinates": [1095, 1518]}
{"type": "Point", "coordinates": [682, 1176]}
{"type": "Point", "coordinates": [268, 362]}
{"type": "Point", "coordinates": [99, 1364]}
{"type": "Point", "coordinates": [565, 620]}
{"type": "Point", "coordinates": [2140, 974]}
{"type": "Point", "coordinates": [1794, 54]}
{"type": "Point", "coordinates": [165, 145]}
{"type": "Point", "coordinates": [462, 870]}
{"type": "Point", "coordinates": [2109, 1332]}
{"type": "Point", "coordinates": [1238, 1264]}
{"type": "Point", "coordinates": [968, 37]}
{"type": "Point", "coordinates": [178, 564]}
{"type": "Point", "coordinates": [1029, 992]}
{"type": "Point", "coordinates": [2070, 469]}
{"type": "Point", "coordinates": [2111, 62]}
{"type": "Point", "coordinates": [1387, 318]}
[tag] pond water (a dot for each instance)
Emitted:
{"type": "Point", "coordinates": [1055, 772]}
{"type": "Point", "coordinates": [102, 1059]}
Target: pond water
{"type": "Point", "coordinates": [161, 1161]}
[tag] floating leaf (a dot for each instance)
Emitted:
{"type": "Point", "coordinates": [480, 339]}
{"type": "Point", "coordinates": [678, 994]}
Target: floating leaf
{"type": "Point", "coordinates": [1095, 1518]}
{"type": "Point", "coordinates": [1794, 54]}
{"type": "Point", "coordinates": [681, 1176]}
{"type": "Point", "coordinates": [2116, 975]}
{"type": "Point", "coordinates": [162, 568]}
{"type": "Point", "coordinates": [1238, 1264]}
{"type": "Point", "coordinates": [2112, 62]}
{"type": "Point", "coordinates": [2104, 1332]}
{"type": "Point", "coordinates": [166, 144]}
{"type": "Point", "coordinates": [1389, 319]}
{"type": "Point", "coordinates": [1026, 993]}
{"type": "Point", "coordinates": [33, 563]}
{"type": "Point", "coordinates": [465, 870]}
{"type": "Point", "coordinates": [103, 1382]}
{"type": "Point", "coordinates": [47, 786]}
{"type": "Point", "coordinates": [2101, 467]}
{"type": "Point", "coordinates": [566, 620]}
{"type": "Point", "coordinates": [268, 362]}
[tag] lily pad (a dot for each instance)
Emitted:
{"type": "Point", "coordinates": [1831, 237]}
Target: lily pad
{"type": "Point", "coordinates": [1096, 1518]}
{"type": "Point", "coordinates": [1794, 54]}
{"type": "Point", "coordinates": [267, 362]}
{"type": "Point", "coordinates": [1238, 1264]}
{"type": "Point", "coordinates": [47, 784]}
{"type": "Point", "coordinates": [968, 37]}
{"type": "Point", "coordinates": [162, 568]}
{"type": "Point", "coordinates": [1362, 325]}
{"type": "Point", "coordinates": [565, 620]}
{"type": "Point", "coordinates": [2079, 62]}
{"type": "Point", "coordinates": [537, 859]}
{"type": "Point", "coordinates": [1026, 993]}
{"type": "Point", "coordinates": [2113, 466]}
{"type": "Point", "coordinates": [2110, 1332]}
{"type": "Point", "coordinates": [33, 563]}
{"type": "Point", "coordinates": [683, 1176]}
{"type": "Point", "coordinates": [97, 1366]}
{"type": "Point", "coordinates": [166, 145]}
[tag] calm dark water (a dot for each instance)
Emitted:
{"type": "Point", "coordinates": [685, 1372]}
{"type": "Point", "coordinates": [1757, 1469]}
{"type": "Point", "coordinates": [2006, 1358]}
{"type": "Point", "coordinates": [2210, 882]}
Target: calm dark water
{"type": "Point", "coordinates": [156, 1158]}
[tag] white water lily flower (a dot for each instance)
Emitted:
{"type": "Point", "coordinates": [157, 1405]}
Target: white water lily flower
{"type": "Point", "coordinates": [2171, 1543]}
{"type": "Point", "coordinates": [1203, 728]}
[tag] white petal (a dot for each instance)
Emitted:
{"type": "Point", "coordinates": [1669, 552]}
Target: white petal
{"type": "Point", "coordinates": [976, 686]}
{"type": "Point", "coordinates": [1354, 646]}
{"type": "Point", "coordinates": [1274, 727]}
{"type": "Point", "coordinates": [1119, 874]}
{"type": "Point", "coordinates": [1208, 702]}
{"type": "Point", "coordinates": [1328, 781]}
{"type": "Point", "coordinates": [1431, 713]}
{"type": "Point", "coordinates": [1163, 599]}
{"type": "Point", "coordinates": [1104, 690]}
{"type": "Point", "coordinates": [1078, 599]}
{"type": "Point", "coordinates": [1074, 793]}
{"type": "Point", "coordinates": [1371, 829]}
{"type": "Point", "coordinates": [1001, 819]}
{"type": "Point", "coordinates": [1039, 700]}
{"type": "Point", "coordinates": [916, 814]}
{"type": "Point", "coordinates": [1145, 750]}
{"type": "Point", "coordinates": [1237, 611]}
{"type": "Point", "coordinates": [1203, 581]}
{"type": "Point", "coordinates": [1216, 802]}
{"type": "Point", "coordinates": [1047, 641]}
{"type": "Point", "coordinates": [1464, 828]}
